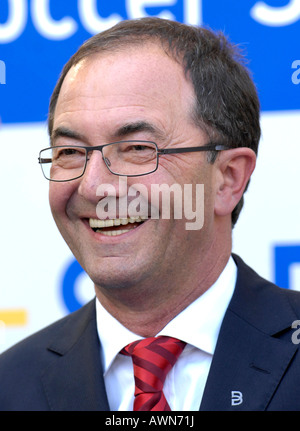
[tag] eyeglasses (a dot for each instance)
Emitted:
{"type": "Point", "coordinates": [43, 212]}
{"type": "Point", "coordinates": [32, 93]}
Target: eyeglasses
{"type": "Point", "coordinates": [123, 158]}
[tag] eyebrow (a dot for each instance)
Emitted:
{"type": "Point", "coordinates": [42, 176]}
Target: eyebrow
{"type": "Point", "coordinates": [65, 132]}
{"type": "Point", "coordinates": [138, 126]}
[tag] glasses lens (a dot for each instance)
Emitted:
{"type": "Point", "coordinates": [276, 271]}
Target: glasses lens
{"type": "Point", "coordinates": [131, 158]}
{"type": "Point", "coordinates": [63, 163]}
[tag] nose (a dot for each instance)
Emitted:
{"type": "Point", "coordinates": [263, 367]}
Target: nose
{"type": "Point", "coordinates": [96, 174]}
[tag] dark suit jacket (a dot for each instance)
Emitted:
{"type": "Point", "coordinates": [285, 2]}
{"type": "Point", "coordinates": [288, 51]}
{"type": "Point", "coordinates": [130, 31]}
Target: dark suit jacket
{"type": "Point", "coordinates": [256, 360]}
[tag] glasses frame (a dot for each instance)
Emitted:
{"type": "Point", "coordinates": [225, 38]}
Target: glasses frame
{"type": "Point", "coordinates": [159, 152]}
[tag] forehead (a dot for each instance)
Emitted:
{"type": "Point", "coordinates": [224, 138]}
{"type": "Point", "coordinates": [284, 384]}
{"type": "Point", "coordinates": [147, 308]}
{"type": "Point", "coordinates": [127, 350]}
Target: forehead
{"type": "Point", "coordinates": [138, 80]}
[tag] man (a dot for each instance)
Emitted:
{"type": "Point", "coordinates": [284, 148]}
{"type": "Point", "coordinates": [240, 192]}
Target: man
{"type": "Point", "coordinates": [155, 102]}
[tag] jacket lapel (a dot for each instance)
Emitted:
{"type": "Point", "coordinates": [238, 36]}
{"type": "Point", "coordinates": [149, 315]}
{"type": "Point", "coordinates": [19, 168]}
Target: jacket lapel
{"type": "Point", "coordinates": [250, 359]}
{"type": "Point", "coordinates": [74, 380]}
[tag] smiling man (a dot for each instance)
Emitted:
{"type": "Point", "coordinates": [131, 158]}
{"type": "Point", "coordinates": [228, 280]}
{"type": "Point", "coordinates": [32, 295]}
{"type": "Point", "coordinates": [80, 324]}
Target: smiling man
{"type": "Point", "coordinates": [115, 97]}
{"type": "Point", "coordinates": [178, 322]}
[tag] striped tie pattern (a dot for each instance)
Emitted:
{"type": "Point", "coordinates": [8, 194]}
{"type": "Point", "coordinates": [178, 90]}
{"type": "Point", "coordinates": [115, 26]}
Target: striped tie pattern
{"type": "Point", "coordinates": [152, 359]}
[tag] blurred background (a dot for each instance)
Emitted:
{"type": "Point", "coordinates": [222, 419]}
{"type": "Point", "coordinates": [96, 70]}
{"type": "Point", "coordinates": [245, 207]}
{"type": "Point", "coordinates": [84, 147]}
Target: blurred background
{"type": "Point", "coordinates": [39, 279]}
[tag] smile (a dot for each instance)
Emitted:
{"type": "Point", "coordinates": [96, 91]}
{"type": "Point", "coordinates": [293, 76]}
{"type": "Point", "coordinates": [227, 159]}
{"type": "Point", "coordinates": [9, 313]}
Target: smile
{"type": "Point", "coordinates": [114, 227]}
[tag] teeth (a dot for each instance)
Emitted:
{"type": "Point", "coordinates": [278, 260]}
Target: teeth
{"type": "Point", "coordinates": [99, 224]}
{"type": "Point", "coordinates": [113, 232]}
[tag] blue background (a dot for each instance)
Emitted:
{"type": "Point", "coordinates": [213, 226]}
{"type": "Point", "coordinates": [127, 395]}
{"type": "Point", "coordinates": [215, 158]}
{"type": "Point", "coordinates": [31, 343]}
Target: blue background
{"type": "Point", "coordinates": [33, 63]}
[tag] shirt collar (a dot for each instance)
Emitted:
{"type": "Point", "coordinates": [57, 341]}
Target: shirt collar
{"type": "Point", "coordinates": [198, 324]}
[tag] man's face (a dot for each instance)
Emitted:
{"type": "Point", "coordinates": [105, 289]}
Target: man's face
{"type": "Point", "coordinates": [141, 94]}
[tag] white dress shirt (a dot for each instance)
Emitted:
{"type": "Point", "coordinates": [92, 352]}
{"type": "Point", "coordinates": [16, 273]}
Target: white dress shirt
{"type": "Point", "coordinates": [198, 325]}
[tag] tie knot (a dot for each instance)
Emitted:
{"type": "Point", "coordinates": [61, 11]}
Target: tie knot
{"type": "Point", "coordinates": [167, 348]}
{"type": "Point", "coordinates": [152, 359]}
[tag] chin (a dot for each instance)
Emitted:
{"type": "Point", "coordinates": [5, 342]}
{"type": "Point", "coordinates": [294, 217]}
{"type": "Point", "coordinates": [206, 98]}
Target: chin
{"type": "Point", "coordinates": [113, 277]}
{"type": "Point", "coordinates": [138, 279]}
{"type": "Point", "coordinates": [113, 282]}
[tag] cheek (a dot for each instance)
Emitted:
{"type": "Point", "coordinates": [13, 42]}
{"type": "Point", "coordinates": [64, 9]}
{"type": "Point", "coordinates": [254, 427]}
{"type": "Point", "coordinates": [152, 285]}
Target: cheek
{"type": "Point", "coordinates": [184, 169]}
{"type": "Point", "coordinates": [172, 169]}
{"type": "Point", "coordinates": [59, 196]}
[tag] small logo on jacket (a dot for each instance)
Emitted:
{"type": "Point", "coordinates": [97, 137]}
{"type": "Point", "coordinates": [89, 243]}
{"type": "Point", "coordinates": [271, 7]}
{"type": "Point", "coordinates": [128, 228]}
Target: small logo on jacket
{"type": "Point", "coordinates": [236, 398]}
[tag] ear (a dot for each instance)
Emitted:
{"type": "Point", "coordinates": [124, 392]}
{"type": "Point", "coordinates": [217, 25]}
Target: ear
{"type": "Point", "coordinates": [234, 169]}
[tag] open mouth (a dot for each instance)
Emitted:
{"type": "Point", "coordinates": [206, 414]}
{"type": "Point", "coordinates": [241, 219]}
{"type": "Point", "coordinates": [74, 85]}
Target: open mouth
{"type": "Point", "coordinates": [114, 227]}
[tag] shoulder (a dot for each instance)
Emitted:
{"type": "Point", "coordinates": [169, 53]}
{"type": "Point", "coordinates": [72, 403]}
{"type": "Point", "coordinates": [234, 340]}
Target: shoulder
{"type": "Point", "coordinates": [22, 365]}
{"type": "Point", "coordinates": [71, 326]}
{"type": "Point", "coordinates": [258, 298]}
{"type": "Point", "coordinates": [249, 276]}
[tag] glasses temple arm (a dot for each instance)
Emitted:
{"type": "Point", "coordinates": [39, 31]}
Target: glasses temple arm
{"type": "Point", "coordinates": [212, 147]}
{"type": "Point", "coordinates": [42, 160]}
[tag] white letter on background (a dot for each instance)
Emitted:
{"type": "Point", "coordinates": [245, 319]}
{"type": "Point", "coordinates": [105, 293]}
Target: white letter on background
{"type": "Point", "coordinates": [276, 16]}
{"type": "Point", "coordinates": [2, 72]}
{"type": "Point", "coordinates": [16, 22]}
{"type": "Point", "coordinates": [91, 20]}
{"type": "Point", "coordinates": [47, 26]}
{"type": "Point", "coordinates": [192, 12]}
{"type": "Point", "coordinates": [136, 8]}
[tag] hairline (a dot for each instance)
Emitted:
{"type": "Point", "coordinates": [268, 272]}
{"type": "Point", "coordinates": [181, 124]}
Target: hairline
{"type": "Point", "coordinates": [122, 46]}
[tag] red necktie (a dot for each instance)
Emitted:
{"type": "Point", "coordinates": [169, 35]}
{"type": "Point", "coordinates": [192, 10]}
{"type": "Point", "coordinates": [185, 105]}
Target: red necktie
{"type": "Point", "coordinates": [152, 359]}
